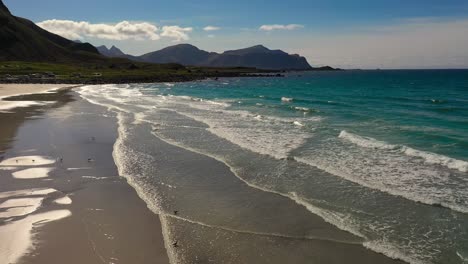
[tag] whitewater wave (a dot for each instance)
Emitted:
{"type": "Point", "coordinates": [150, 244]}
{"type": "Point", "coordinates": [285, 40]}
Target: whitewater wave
{"type": "Point", "coordinates": [264, 134]}
{"type": "Point", "coordinates": [342, 221]}
{"type": "Point", "coordinates": [431, 158]}
{"type": "Point", "coordinates": [398, 170]}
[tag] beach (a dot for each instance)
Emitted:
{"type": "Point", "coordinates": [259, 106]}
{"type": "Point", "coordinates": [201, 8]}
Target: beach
{"type": "Point", "coordinates": [9, 91]}
{"type": "Point", "coordinates": [61, 198]}
{"type": "Point", "coordinates": [237, 170]}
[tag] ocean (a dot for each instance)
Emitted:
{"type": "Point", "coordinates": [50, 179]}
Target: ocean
{"type": "Point", "coordinates": [380, 155]}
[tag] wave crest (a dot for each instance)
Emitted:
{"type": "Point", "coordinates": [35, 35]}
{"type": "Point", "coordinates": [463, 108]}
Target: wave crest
{"type": "Point", "coordinates": [428, 157]}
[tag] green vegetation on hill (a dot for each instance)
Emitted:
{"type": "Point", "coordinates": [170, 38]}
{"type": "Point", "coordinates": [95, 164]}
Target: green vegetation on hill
{"type": "Point", "coordinates": [111, 71]}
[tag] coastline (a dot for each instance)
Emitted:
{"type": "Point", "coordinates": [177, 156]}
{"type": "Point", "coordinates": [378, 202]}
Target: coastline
{"type": "Point", "coordinates": [10, 90]}
{"type": "Point", "coordinates": [71, 210]}
{"type": "Point", "coordinates": [207, 208]}
{"type": "Point", "coordinates": [89, 214]}
{"type": "Point", "coordinates": [11, 94]}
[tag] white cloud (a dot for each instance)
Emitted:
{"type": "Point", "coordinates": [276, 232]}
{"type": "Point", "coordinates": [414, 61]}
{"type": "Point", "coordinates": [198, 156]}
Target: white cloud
{"type": "Point", "coordinates": [280, 27]}
{"type": "Point", "coordinates": [121, 31]}
{"type": "Point", "coordinates": [175, 32]}
{"type": "Point", "coordinates": [124, 30]}
{"type": "Point", "coordinates": [211, 28]}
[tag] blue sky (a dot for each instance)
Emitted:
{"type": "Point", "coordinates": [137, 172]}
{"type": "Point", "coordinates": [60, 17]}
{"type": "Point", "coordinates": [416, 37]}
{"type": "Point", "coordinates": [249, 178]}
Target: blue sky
{"type": "Point", "coordinates": [350, 34]}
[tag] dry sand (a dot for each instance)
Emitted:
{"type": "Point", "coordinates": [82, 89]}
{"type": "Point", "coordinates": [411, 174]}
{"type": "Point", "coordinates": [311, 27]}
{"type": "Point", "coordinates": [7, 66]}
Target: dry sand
{"type": "Point", "coordinates": [7, 90]}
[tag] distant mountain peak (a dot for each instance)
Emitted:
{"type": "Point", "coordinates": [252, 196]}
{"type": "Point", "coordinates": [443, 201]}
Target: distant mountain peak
{"type": "Point", "coordinates": [113, 52]}
{"type": "Point", "coordinates": [257, 56]}
{"type": "Point", "coordinates": [183, 46]}
{"type": "Point", "coordinates": [114, 48]}
{"type": "Point", "coordinates": [259, 47]}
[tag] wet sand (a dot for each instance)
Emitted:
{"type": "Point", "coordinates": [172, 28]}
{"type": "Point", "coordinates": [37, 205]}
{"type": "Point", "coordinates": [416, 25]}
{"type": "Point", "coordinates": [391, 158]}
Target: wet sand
{"type": "Point", "coordinates": [221, 219]}
{"type": "Point", "coordinates": [10, 92]}
{"type": "Point", "coordinates": [67, 203]}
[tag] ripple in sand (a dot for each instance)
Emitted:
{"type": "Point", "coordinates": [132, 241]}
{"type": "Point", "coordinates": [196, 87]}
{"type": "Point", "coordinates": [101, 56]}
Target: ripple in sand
{"type": "Point", "coordinates": [19, 206]}
{"type": "Point", "coordinates": [33, 173]}
{"type": "Point", "coordinates": [19, 234]}
{"type": "Point", "coordinates": [63, 200]}
{"type": "Point", "coordinates": [28, 161]}
{"type": "Point", "coordinates": [27, 192]}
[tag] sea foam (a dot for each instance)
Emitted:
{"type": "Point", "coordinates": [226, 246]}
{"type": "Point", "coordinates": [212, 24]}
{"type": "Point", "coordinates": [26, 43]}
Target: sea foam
{"type": "Point", "coordinates": [431, 158]}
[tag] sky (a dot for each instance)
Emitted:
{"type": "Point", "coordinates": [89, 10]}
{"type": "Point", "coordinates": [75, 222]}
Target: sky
{"type": "Point", "coordinates": [364, 34]}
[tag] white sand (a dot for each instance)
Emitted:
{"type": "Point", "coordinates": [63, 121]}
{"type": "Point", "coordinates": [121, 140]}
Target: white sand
{"type": "Point", "coordinates": [20, 206]}
{"type": "Point", "coordinates": [16, 237]}
{"type": "Point", "coordinates": [19, 234]}
{"type": "Point", "coordinates": [28, 161]}
{"type": "Point", "coordinates": [27, 192]}
{"type": "Point", "coordinates": [8, 90]}
{"type": "Point", "coordinates": [33, 173]}
{"type": "Point", "coordinates": [63, 200]}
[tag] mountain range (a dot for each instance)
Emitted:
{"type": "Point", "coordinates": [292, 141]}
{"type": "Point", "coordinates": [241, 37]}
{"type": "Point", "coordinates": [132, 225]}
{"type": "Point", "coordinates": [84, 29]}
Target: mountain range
{"type": "Point", "coordinates": [113, 52]}
{"type": "Point", "coordinates": [254, 57]}
{"type": "Point", "coordinates": [22, 40]}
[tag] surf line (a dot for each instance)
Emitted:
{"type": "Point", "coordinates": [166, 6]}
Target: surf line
{"type": "Point", "coordinates": [260, 189]}
{"type": "Point", "coordinates": [120, 112]}
{"type": "Point", "coordinates": [247, 232]}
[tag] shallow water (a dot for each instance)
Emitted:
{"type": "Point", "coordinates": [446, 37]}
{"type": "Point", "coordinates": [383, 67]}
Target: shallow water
{"type": "Point", "coordinates": [379, 154]}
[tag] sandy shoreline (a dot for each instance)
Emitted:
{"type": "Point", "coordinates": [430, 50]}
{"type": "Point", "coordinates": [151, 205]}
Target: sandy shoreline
{"type": "Point", "coordinates": [7, 91]}
{"type": "Point", "coordinates": [62, 200]}
{"type": "Point", "coordinates": [56, 206]}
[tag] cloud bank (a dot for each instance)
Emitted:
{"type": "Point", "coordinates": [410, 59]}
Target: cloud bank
{"type": "Point", "coordinates": [123, 30]}
{"type": "Point", "coordinates": [281, 27]}
{"type": "Point", "coordinates": [176, 33]}
{"type": "Point", "coordinates": [211, 28]}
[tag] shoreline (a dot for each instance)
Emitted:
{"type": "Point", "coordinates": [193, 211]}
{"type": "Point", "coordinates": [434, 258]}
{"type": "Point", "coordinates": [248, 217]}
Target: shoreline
{"type": "Point", "coordinates": [197, 168]}
{"type": "Point", "coordinates": [74, 210]}
{"type": "Point", "coordinates": [11, 94]}
{"type": "Point", "coordinates": [82, 198]}
{"type": "Point", "coordinates": [13, 90]}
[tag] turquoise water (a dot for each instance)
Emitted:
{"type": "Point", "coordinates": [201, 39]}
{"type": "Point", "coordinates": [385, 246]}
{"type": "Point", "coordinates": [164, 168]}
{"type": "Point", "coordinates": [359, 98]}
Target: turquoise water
{"type": "Point", "coordinates": [427, 110]}
{"type": "Point", "coordinates": [380, 154]}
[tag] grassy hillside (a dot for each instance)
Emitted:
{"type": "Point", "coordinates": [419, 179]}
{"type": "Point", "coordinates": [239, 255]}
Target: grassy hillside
{"type": "Point", "coordinates": [110, 71]}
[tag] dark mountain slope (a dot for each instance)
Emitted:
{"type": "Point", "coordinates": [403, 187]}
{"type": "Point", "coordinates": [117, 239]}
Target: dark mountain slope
{"type": "Point", "coordinates": [185, 54]}
{"type": "Point", "coordinates": [113, 52]}
{"type": "Point", "coordinates": [22, 40]}
{"type": "Point", "coordinates": [255, 57]}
